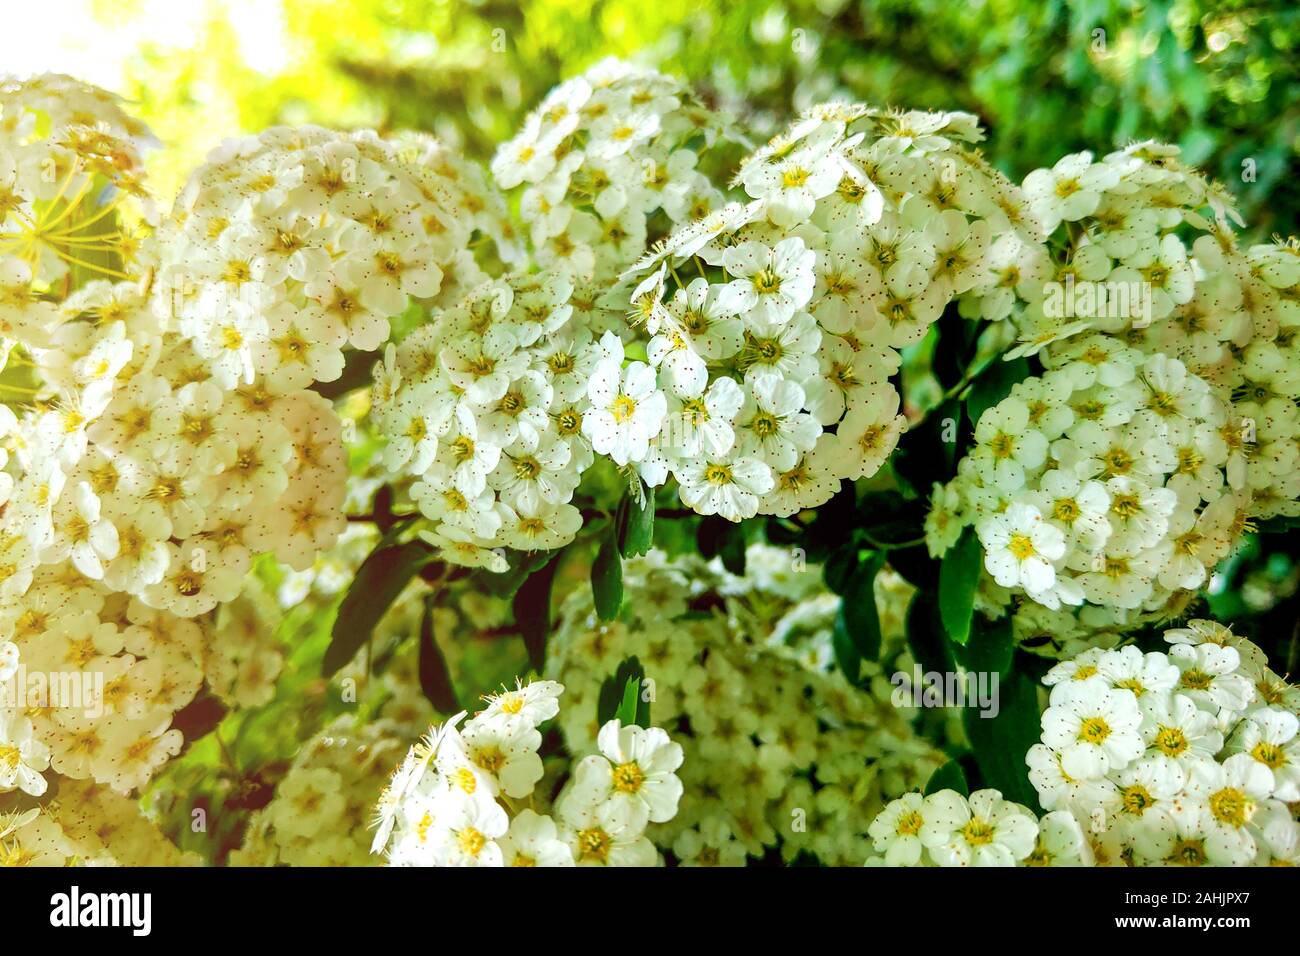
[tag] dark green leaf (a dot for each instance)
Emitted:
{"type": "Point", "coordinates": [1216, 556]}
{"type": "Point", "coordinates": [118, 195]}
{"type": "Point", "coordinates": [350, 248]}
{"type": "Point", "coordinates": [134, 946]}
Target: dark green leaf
{"type": "Point", "coordinates": [916, 566]}
{"type": "Point", "coordinates": [621, 695]}
{"type": "Point", "coordinates": [607, 579]}
{"type": "Point", "coordinates": [1000, 743]}
{"type": "Point", "coordinates": [925, 638]}
{"type": "Point", "coordinates": [959, 575]}
{"type": "Point", "coordinates": [522, 564]}
{"type": "Point", "coordinates": [994, 385]}
{"type": "Point", "coordinates": [435, 678]}
{"type": "Point", "coordinates": [858, 608]}
{"type": "Point", "coordinates": [636, 522]}
{"type": "Point", "coordinates": [846, 652]}
{"type": "Point", "coordinates": [990, 647]}
{"type": "Point", "coordinates": [839, 568]}
{"type": "Point", "coordinates": [381, 577]}
{"type": "Point", "coordinates": [948, 777]}
{"type": "Point", "coordinates": [532, 607]}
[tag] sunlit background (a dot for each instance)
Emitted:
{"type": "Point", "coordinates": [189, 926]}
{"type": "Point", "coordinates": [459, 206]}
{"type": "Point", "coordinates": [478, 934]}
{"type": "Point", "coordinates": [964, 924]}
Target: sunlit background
{"type": "Point", "coordinates": [1218, 78]}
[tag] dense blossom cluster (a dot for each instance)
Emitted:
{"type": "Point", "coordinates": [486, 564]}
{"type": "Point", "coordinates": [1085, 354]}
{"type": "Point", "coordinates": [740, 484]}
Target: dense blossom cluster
{"type": "Point", "coordinates": [747, 354]}
{"type": "Point", "coordinates": [322, 804]}
{"type": "Point", "coordinates": [781, 755]}
{"type": "Point", "coordinates": [774, 324]}
{"type": "Point", "coordinates": [1166, 418]}
{"type": "Point", "coordinates": [1184, 758]}
{"type": "Point", "coordinates": [88, 825]}
{"type": "Point", "coordinates": [453, 801]}
{"type": "Point", "coordinates": [287, 247]}
{"type": "Point", "coordinates": [602, 314]}
{"type": "Point", "coordinates": [1110, 479]}
{"type": "Point", "coordinates": [605, 161]}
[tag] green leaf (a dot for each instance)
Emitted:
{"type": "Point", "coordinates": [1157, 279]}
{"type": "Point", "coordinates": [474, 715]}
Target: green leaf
{"type": "Point", "coordinates": [532, 607]}
{"type": "Point", "coordinates": [858, 608]}
{"type": "Point", "coordinates": [636, 522]}
{"type": "Point", "coordinates": [990, 647]}
{"type": "Point", "coordinates": [959, 575]}
{"type": "Point", "coordinates": [839, 567]}
{"type": "Point", "coordinates": [925, 636]}
{"type": "Point", "coordinates": [381, 577]}
{"type": "Point", "coordinates": [948, 777]}
{"type": "Point", "coordinates": [1000, 743]}
{"type": "Point", "coordinates": [435, 677]}
{"type": "Point", "coordinates": [621, 696]}
{"type": "Point", "coordinates": [846, 652]}
{"type": "Point", "coordinates": [994, 385]}
{"type": "Point", "coordinates": [607, 579]}
{"type": "Point", "coordinates": [523, 564]}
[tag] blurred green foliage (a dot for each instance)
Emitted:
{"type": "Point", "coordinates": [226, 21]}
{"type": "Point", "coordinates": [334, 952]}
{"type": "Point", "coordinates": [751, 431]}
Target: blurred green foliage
{"type": "Point", "coordinates": [1047, 77]}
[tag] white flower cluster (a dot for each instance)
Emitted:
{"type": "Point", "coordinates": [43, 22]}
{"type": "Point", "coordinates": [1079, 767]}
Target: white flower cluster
{"type": "Point", "coordinates": [782, 757]}
{"type": "Point", "coordinates": [774, 325]}
{"type": "Point", "coordinates": [485, 408]}
{"type": "Point", "coordinates": [1227, 314]}
{"type": "Point", "coordinates": [286, 247]}
{"type": "Point", "coordinates": [142, 471]}
{"type": "Point", "coordinates": [1167, 417]}
{"type": "Point", "coordinates": [1185, 758]}
{"type": "Point", "coordinates": [1110, 479]}
{"type": "Point", "coordinates": [1189, 757]}
{"type": "Point", "coordinates": [601, 155]}
{"type": "Point", "coordinates": [322, 804]}
{"type": "Point", "coordinates": [1150, 254]}
{"type": "Point", "coordinates": [946, 828]}
{"type": "Point", "coordinates": [763, 380]}
{"type": "Point", "coordinates": [87, 825]}
{"type": "Point", "coordinates": [452, 802]}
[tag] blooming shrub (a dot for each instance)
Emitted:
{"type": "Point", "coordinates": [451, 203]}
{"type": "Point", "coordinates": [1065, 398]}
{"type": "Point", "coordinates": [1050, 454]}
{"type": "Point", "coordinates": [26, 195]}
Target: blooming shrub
{"type": "Point", "coordinates": [295, 470]}
{"type": "Point", "coordinates": [1185, 758]}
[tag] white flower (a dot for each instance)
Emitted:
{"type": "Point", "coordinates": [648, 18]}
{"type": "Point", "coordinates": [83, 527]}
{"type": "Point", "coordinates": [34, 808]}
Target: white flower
{"type": "Point", "coordinates": [533, 840]}
{"type": "Point", "coordinates": [985, 830]}
{"type": "Point", "coordinates": [1095, 728]}
{"type": "Point", "coordinates": [466, 828]}
{"type": "Point", "coordinates": [22, 756]}
{"type": "Point", "coordinates": [608, 833]}
{"type": "Point", "coordinates": [627, 410]}
{"type": "Point", "coordinates": [1269, 736]}
{"type": "Point", "coordinates": [896, 830]}
{"type": "Point", "coordinates": [1006, 446]}
{"type": "Point", "coordinates": [635, 771]}
{"type": "Point", "coordinates": [727, 486]}
{"type": "Point", "coordinates": [1020, 548]}
{"type": "Point", "coordinates": [772, 283]}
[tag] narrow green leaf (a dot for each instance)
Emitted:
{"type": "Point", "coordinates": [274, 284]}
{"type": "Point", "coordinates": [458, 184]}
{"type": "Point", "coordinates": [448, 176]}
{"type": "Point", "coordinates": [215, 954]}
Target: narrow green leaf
{"type": "Point", "coordinates": [925, 638]}
{"type": "Point", "coordinates": [435, 677]}
{"type": "Point", "coordinates": [846, 652]}
{"type": "Point", "coordinates": [620, 695]}
{"type": "Point", "coordinates": [948, 777]}
{"type": "Point", "coordinates": [993, 385]}
{"type": "Point", "coordinates": [381, 577]}
{"type": "Point", "coordinates": [1001, 742]}
{"type": "Point", "coordinates": [636, 522]}
{"type": "Point", "coordinates": [732, 550]}
{"type": "Point", "coordinates": [839, 566]}
{"type": "Point", "coordinates": [959, 576]}
{"type": "Point", "coordinates": [858, 607]}
{"type": "Point", "coordinates": [607, 579]}
{"type": "Point", "coordinates": [532, 607]}
{"type": "Point", "coordinates": [990, 647]}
